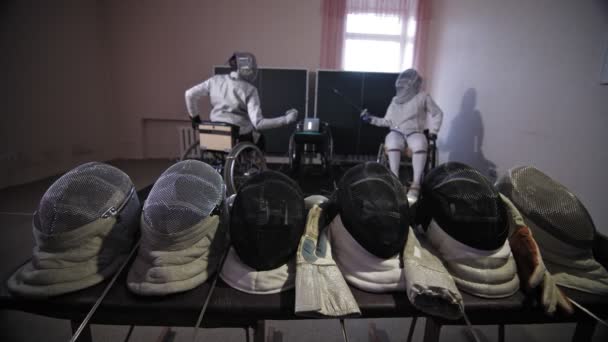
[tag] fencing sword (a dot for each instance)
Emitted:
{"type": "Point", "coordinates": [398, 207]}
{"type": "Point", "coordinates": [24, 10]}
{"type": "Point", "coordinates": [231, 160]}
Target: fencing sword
{"type": "Point", "coordinates": [347, 100]}
{"type": "Point", "coordinates": [85, 321]}
{"type": "Point", "coordinates": [226, 225]}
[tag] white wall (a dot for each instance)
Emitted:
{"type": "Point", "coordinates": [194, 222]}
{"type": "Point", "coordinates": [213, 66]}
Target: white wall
{"type": "Point", "coordinates": [54, 83]}
{"type": "Point", "coordinates": [519, 84]}
{"type": "Point", "coordinates": [161, 48]}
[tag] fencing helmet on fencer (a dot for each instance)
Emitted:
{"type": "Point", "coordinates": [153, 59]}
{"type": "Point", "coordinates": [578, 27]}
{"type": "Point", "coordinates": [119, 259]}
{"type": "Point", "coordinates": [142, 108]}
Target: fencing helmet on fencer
{"type": "Point", "coordinates": [182, 235]}
{"type": "Point", "coordinates": [246, 66]}
{"type": "Point", "coordinates": [562, 228]}
{"type": "Point", "coordinates": [267, 220]}
{"type": "Point", "coordinates": [407, 85]}
{"type": "Point", "coordinates": [84, 228]}
{"type": "Point", "coordinates": [466, 222]}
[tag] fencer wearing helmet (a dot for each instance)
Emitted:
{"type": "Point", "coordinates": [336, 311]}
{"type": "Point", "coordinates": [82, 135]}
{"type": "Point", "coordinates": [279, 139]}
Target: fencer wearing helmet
{"type": "Point", "coordinates": [410, 112]}
{"type": "Point", "coordinates": [235, 99]}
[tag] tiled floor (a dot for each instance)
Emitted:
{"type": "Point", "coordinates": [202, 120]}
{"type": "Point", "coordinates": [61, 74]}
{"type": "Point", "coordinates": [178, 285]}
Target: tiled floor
{"type": "Point", "coordinates": [17, 204]}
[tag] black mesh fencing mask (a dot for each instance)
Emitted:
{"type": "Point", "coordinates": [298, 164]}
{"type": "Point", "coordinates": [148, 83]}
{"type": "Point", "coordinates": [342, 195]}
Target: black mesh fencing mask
{"type": "Point", "coordinates": [374, 209]}
{"type": "Point", "coordinates": [465, 204]}
{"type": "Point", "coordinates": [267, 220]}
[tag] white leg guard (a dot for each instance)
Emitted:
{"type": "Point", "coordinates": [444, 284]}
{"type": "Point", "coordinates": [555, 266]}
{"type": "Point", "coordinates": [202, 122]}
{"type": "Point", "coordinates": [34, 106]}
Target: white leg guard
{"type": "Point", "coordinates": [418, 144]}
{"type": "Point", "coordinates": [394, 160]}
{"type": "Point", "coordinates": [394, 144]}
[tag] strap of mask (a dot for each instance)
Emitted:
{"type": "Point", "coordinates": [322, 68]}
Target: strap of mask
{"type": "Point", "coordinates": [469, 325]}
{"type": "Point", "coordinates": [85, 321]}
{"type": "Point", "coordinates": [585, 310]}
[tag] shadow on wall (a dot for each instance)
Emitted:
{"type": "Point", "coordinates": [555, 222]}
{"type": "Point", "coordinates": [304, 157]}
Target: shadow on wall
{"type": "Point", "coordinates": [465, 138]}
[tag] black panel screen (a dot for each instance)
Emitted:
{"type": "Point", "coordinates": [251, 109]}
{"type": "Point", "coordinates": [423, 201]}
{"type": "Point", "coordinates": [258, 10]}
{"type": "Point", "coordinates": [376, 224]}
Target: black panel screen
{"type": "Point", "coordinates": [340, 97]}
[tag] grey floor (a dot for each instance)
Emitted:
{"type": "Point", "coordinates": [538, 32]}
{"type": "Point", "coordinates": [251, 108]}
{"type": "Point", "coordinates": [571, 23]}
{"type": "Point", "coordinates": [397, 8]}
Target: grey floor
{"type": "Point", "coordinates": [17, 204]}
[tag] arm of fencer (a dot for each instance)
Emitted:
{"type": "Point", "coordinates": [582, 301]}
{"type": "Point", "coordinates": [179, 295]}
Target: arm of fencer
{"type": "Point", "coordinates": [193, 96]}
{"type": "Point", "coordinates": [383, 122]}
{"type": "Point", "coordinates": [434, 115]}
{"type": "Point", "coordinates": [257, 119]}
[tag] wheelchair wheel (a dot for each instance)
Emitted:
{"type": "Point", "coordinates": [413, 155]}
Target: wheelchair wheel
{"type": "Point", "coordinates": [328, 155]}
{"type": "Point", "coordinates": [244, 161]}
{"type": "Point", "coordinates": [382, 158]}
{"type": "Point", "coordinates": [295, 155]}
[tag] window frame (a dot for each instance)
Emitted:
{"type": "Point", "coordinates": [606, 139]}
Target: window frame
{"type": "Point", "coordinates": [403, 39]}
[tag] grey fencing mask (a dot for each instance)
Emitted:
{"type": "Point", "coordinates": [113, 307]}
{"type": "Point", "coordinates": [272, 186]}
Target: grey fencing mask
{"type": "Point", "coordinates": [466, 222]}
{"type": "Point", "coordinates": [267, 220]}
{"type": "Point", "coordinates": [84, 229]}
{"type": "Point", "coordinates": [407, 85]}
{"type": "Point", "coordinates": [246, 66]}
{"type": "Point", "coordinates": [562, 228]}
{"type": "Point", "coordinates": [182, 238]}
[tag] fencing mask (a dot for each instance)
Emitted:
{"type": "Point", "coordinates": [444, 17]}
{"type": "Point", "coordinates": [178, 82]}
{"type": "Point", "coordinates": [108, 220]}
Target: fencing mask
{"type": "Point", "coordinates": [370, 228]}
{"type": "Point", "coordinates": [182, 239]}
{"type": "Point", "coordinates": [84, 229]}
{"type": "Point", "coordinates": [562, 228]}
{"type": "Point", "coordinates": [466, 222]}
{"type": "Point", "coordinates": [267, 220]}
{"type": "Point", "coordinates": [376, 249]}
{"type": "Point", "coordinates": [374, 209]}
{"type": "Point", "coordinates": [407, 85]}
{"type": "Point", "coordinates": [245, 65]}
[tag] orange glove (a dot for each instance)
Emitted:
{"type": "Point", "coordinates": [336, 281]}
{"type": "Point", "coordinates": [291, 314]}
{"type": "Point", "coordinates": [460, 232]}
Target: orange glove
{"type": "Point", "coordinates": [530, 267]}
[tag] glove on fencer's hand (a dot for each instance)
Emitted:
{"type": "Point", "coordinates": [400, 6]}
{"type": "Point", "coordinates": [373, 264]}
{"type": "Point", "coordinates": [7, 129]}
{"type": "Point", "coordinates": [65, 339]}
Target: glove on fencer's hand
{"type": "Point", "coordinates": [533, 274]}
{"type": "Point", "coordinates": [365, 117]}
{"type": "Point", "coordinates": [196, 120]}
{"type": "Point", "coordinates": [291, 115]}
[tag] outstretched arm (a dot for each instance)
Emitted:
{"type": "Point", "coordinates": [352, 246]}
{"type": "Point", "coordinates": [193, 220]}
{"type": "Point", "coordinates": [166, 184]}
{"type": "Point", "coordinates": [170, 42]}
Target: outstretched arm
{"type": "Point", "coordinates": [434, 115]}
{"type": "Point", "coordinates": [193, 96]}
{"type": "Point", "coordinates": [260, 122]}
{"type": "Point", "coordinates": [375, 120]}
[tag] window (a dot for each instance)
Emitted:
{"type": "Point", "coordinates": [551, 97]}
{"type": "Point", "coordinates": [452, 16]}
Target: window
{"type": "Point", "coordinates": [378, 43]}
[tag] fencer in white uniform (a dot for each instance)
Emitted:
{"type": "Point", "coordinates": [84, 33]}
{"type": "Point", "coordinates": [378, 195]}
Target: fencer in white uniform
{"type": "Point", "coordinates": [235, 99]}
{"type": "Point", "coordinates": [410, 112]}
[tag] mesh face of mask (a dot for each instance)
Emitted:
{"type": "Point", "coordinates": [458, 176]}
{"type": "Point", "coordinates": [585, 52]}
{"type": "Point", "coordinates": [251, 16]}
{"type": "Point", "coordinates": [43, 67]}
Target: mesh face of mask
{"type": "Point", "coordinates": [83, 195]}
{"type": "Point", "coordinates": [407, 85]}
{"type": "Point", "coordinates": [247, 66]}
{"type": "Point", "coordinates": [374, 209]}
{"type": "Point", "coordinates": [550, 205]}
{"type": "Point", "coordinates": [465, 205]}
{"type": "Point", "coordinates": [183, 196]}
{"type": "Point", "coordinates": [267, 220]}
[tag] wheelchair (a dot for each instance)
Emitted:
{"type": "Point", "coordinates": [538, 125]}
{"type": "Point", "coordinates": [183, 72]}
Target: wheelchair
{"type": "Point", "coordinates": [304, 144]}
{"type": "Point", "coordinates": [220, 147]}
{"type": "Point", "coordinates": [431, 159]}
